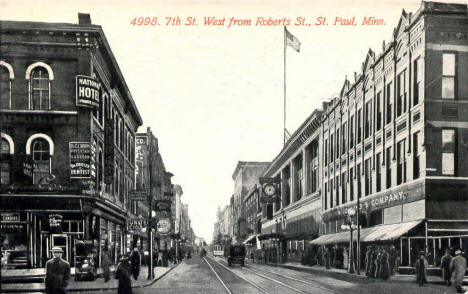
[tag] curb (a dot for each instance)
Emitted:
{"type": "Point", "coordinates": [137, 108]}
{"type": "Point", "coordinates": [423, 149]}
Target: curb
{"type": "Point", "coordinates": [91, 289]}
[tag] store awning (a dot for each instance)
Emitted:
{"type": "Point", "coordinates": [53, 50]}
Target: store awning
{"type": "Point", "coordinates": [377, 233]}
{"type": "Point", "coordinates": [270, 236]}
{"type": "Point", "coordinates": [250, 239]}
{"type": "Point", "coordinates": [390, 232]}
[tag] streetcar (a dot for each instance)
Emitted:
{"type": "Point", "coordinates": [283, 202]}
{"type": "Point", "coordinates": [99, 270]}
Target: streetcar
{"type": "Point", "coordinates": [218, 250]}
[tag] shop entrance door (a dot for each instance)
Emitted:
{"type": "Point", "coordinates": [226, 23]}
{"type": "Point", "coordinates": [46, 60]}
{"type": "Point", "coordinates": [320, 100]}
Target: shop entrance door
{"type": "Point", "coordinates": [60, 240]}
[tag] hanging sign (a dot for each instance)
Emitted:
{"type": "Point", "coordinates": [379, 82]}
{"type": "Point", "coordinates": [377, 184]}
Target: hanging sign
{"type": "Point", "coordinates": [163, 205]}
{"type": "Point", "coordinates": [138, 195]}
{"type": "Point", "coordinates": [88, 92]}
{"type": "Point", "coordinates": [80, 160]}
{"type": "Point", "coordinates": [164, 226]}
{"type": "Point", "coordinates": [136, 224]}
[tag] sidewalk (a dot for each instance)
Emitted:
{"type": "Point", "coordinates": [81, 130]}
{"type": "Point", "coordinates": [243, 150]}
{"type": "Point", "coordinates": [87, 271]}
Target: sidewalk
{"type": "Point", "coordinates": [344, 275]}
{"type": "Point", "coordinates": [96, 285]}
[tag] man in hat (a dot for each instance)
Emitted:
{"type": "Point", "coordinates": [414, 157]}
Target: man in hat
{"type": "Point", "coordinates": [122, 273]}
{"type": "Point", "coordinates": [458, 268]}
{"type": "Point", "coordinates": [421, 266]}
{"type": "Point", "coordinates": [445, 266]}
{"type": "Point", "coordinates": [57, 273]}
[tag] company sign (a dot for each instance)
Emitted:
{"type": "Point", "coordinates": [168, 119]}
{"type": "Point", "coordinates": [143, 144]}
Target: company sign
{"type": "Point", "coordinates": [139, 195]}
{"type": "Point", "coordinates": [80, 160]}
{"type": "Point", "coordinates": [388, 199]}
{"type": "Point", "coordinates": [88, 92]}
{"type": "Point", "coordinates": [163, 205]}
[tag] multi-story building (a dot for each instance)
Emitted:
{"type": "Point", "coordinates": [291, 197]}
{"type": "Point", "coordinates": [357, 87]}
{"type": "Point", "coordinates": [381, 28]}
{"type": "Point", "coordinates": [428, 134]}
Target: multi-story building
{"type": "Point", "coordinates": [245, 176]}
{"type": "Point", "coordinates": [395, 141]}
{"type": "Point", "coordinates": [68, 124]}
{"type": "Point", "coordinates": [289, 223]}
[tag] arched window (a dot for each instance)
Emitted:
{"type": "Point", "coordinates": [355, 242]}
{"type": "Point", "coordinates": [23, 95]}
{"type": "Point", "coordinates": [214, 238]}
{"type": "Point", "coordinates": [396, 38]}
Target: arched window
{"type": "Point", "coordinates": [5, 161]}
{"type": "Point", "coordinates": [39, 75]}
{"type": "Point", "coordinates": [41, 159]}
{"type": "Point", "coordinates": [6, 75]}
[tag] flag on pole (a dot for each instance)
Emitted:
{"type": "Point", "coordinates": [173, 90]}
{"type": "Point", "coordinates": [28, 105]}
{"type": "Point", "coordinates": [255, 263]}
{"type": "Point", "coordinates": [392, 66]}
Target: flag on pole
{"type": "Point", "coordinates": [292, 41]}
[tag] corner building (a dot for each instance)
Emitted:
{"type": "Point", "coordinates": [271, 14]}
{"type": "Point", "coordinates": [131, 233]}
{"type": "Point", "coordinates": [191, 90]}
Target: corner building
{"type": "Point", "coordinates": [68, 124]}
{"type": "Point", "coordinates": [396, 140]}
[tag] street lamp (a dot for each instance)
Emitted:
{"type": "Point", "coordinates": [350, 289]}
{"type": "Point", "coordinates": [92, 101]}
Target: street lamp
{"type": "Point", "coordinates": [349, 225]}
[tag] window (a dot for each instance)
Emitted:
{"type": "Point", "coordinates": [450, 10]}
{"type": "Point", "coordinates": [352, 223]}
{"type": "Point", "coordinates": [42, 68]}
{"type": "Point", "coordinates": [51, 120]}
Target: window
{"type": "Point", "coordinates": [312, 151]}
{"type": "Point", "coordinates": [359, 126]}
{"type": "Point", "coordinates": [367, 128]}
{"type": "Point", "coordinates": [379, 111]}
{"type": "Point", "coordinates": [358, 176]}
{"type": "Point", "coordinates": [332, 144]}
{"type": "Point", "coordinates": [5, 162]}
{"type": "Point", "coordinates": [401, 94]}
{"type": "Point", "coordinates": [368, 177]}
{"type": "Point", "coordinates": [325, 194]}
{"type": "Point", "coordinates": [343, 187]}
{"type": "Point", "coordinates": [448, 151]}
{"type": "Point", "coordinates": [331, 187]}
{"type": "Point", "coordinates": [448, 75]}
{"type": "Point", "coordinates": [325, 152]}
{"type": "Point", "coordinates": [6, 75]}
{"type": "Point", "coordinates": [417, 79]}
{"type": "Point", "coordinates": [416, 155]}
{"type": "Point", "coordinates": [41, 159]}
{"type": "Point", "coordinates": [351, 132]}
{"type": "Point", "coordinates": [388, 92]}
{"type": "Point", "coordinates": [40, 88]}
{"type": "Point", "coordinates": [337, 137]}
{"type": "Point", "coordinates": [343, 138]}
{"type": "Point", "coordinates": [298, 177]}
{"type": "Point", "coordinates": [351, 184]}
{"type": "Point", "coordinates": [337, 190]}
{"type": "Point", "coordinates": [388, 165]}
{"type": "Point", "coordinates": [286, 183]}
{"type": "Point", "coordinates": [401, 162]}
{"type": "Point", "coordinates": [378, 170]}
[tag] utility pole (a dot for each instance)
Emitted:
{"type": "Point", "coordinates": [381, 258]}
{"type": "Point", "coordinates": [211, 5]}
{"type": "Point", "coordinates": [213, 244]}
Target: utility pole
{"type": "Point", "coordinates": [150, 206]}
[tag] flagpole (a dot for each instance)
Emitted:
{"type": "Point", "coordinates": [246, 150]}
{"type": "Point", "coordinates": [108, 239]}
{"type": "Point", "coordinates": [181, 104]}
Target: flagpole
{"type": "Point", "coordinates": [284, 90]}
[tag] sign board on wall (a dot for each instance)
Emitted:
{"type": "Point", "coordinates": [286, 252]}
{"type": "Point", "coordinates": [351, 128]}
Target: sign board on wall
{"type": "Point", "coordinates": [88, 92]}
{"type": "Point", "coordinates": [8, 217]}
{"type": "Point", "coordinates": [136, 224]}
{"type": "Point", "coordinates": [80, 160]}
{"type": "Point", "coordinates": [138, 195]}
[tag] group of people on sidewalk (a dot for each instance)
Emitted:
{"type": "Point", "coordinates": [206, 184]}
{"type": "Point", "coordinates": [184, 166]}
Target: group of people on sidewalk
{"type": "Point", "coordinates": [452, 267]}
{"type": "Point", "coordinates": [381, 261]}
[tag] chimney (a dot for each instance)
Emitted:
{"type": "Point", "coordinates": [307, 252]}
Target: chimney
{"type": "Point", "coordinates": [84, 18]}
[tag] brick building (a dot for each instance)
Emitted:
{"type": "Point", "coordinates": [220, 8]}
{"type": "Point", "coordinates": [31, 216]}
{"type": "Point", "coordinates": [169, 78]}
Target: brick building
{"type": "Point", "coordinates": [68, 124]}
{"type": "Point", "coordinates": [395, 141]}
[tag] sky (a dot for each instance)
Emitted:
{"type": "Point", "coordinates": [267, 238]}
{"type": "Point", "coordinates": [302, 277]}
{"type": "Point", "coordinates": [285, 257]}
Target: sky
{"type": "Point", "coordinates": [213, 95]}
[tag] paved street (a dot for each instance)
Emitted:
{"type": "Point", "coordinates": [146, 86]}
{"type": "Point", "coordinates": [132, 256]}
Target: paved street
{"type": "Point", "coordinates": [196, 276]}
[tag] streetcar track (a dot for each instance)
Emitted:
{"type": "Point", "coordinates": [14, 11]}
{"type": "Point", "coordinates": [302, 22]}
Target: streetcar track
{"type": "Point", "coordinates": [250, 282]}
{"type": "Point", "coordinates": [317, 285]}
{"type": "Point", "coordinates": [219, 278]}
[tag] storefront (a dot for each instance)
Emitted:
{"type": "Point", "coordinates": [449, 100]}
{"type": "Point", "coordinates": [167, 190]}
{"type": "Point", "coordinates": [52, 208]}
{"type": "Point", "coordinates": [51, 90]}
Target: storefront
{"type": "Point", "coordinates": [33, 224]}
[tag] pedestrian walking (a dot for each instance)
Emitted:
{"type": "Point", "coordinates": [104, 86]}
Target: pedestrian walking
{"type": "Point", "coordinates": [458, 268]}
{"type": "Point", "coordinates": [445, 266]}
{"type": "Point", "coordinates": [135, 259]}
{"type": "Point", "coordinates": [122, 273]}
{"type": "Point", "coordinates": [105, 264]}
{"type": "Point", "coordinates": [326, 256]}
{"type": "Point", "coordinates": [57, 273]}
{"type": "Point", "coordinates": [368, 260]}
{"type": "Point", "coordinates": [421, 266]}
{"type": "Point", "coordinates": [345, 258]}
{"type": "Point", "coordinates": [392, 259]}
{"type": "Point", "coordinates": [384, 265]}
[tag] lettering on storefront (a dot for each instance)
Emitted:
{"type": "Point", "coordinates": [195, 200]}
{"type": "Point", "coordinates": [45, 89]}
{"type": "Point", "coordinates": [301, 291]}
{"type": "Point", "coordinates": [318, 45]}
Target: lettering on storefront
{"type": "Point", "coordinates": [55, 223]}
{"type": "Point", "coordinates": [88, 92]}
{"type": "Point", "coordinates": [136, 224]}
{"type": "Point", "coordinates": [80, 154]}
{"type": "Point", "coordinates": [10, 217]}
{"type": "Point", "coordinates": [163, 205]}
{"type": "Point", "coordinates": [378, 202]}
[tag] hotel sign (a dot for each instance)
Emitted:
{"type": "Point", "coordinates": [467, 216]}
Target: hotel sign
{"type": "Point", "coordinates": [88, 92]}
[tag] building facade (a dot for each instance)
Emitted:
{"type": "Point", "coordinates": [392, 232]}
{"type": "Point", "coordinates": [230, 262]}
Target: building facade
{"type": "Point", "coordinates": [395, 140]}
{"type": "Point", "coordinates": [68, 124]}
{"type": "Point", "coordinates": [245, 176]}
{"type": "Point", "coordinates": [287, 225]}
